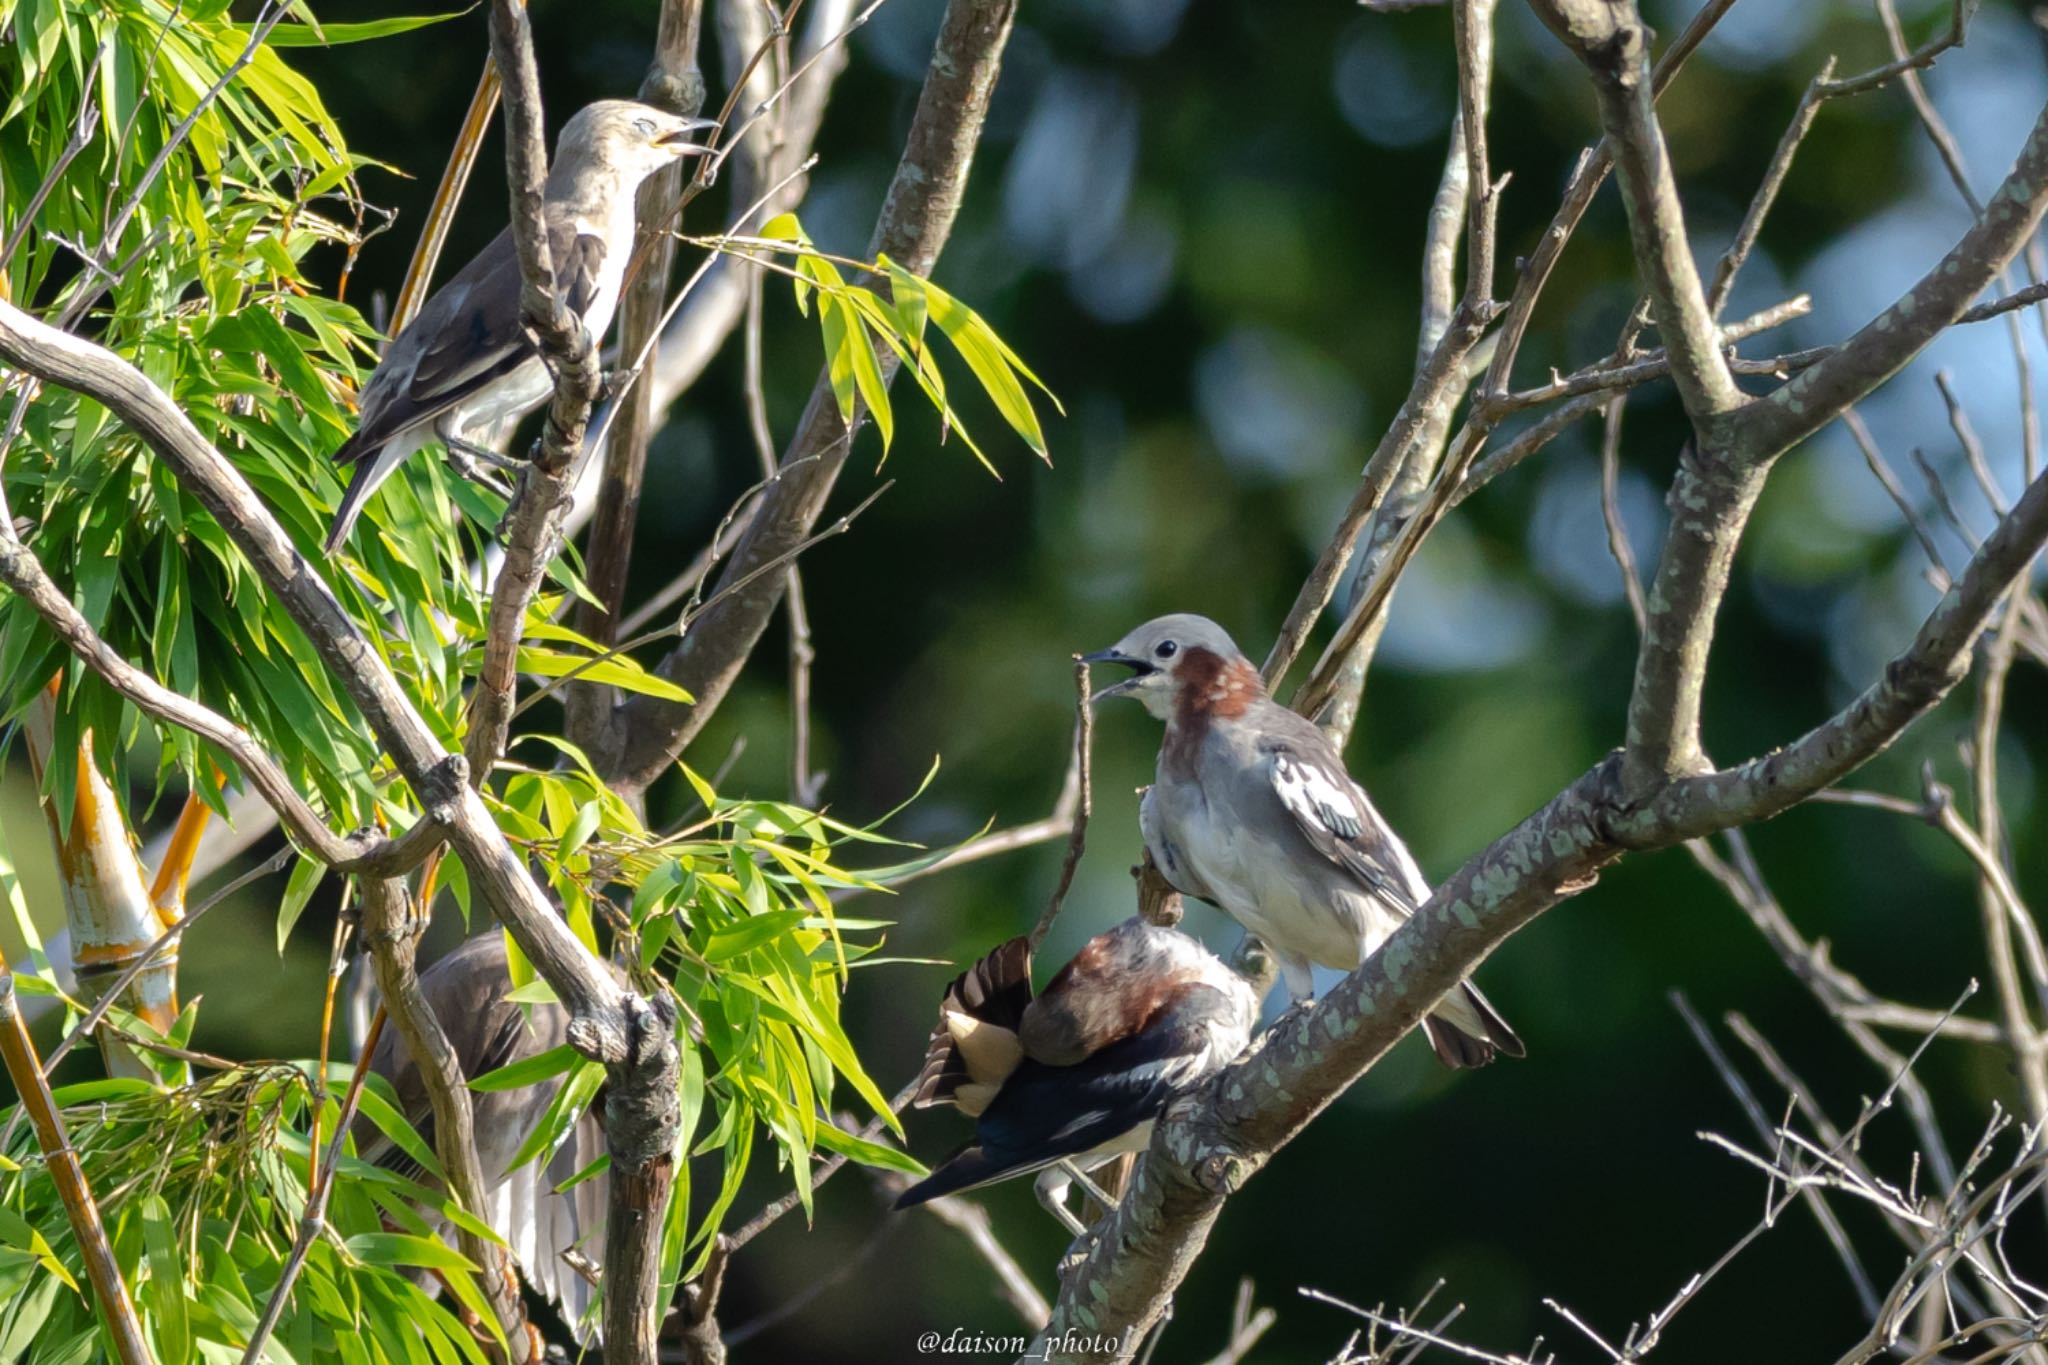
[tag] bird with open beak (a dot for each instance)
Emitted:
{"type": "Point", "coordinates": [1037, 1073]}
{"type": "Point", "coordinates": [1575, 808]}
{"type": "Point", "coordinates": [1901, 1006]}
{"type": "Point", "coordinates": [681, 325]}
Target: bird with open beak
{"type": "Point", "coordinates": [1074, 1077]}
{"type": "Point", "coordinates": [467, 362]}
{"type": "Point", "coordinates": [1254, 813]}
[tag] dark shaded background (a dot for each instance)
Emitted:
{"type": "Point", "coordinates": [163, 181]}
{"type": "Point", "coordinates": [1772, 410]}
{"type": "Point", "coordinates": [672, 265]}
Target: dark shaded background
{"type": "Point", "coordinates": [1201, 224]}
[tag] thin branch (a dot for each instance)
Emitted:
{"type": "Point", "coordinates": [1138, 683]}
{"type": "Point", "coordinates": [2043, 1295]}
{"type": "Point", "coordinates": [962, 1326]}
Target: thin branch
{"type": "Point", "coordinates": [1438, 384]}
{"type": "Point", "coordinates": [117, 1313]}
{"type": "Point", "coordinates": [533, 532]}
{"type": "Point", "coordinates": [1610, 513]}
{"type": "Point", "coordinates": [1830, 1225]}
{"type": "Point", "coordinates": [1084, 805]}
{"type": "Point", "coordinates": [82, 130]}
{"type": "Point", "coordinates": [1247, 1327]}
{"type": "Point", "coordinates": [314, 1217]}
{"type": "Point", "coordinates": [673, 82]}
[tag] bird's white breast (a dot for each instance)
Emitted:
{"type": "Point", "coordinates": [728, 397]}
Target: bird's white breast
{"type": "Point", "coordinates": [1297, 908]}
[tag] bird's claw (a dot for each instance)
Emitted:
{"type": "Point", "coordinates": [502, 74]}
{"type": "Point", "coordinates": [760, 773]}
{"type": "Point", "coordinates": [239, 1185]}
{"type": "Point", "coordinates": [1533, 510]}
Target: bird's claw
{"type": "Point", "coordinates": [615, 382]}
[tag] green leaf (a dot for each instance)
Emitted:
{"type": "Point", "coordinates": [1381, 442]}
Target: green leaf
{"type": "Point", "coordinates": [994, 364]}
{"type": "Point", "coordinates": [867, 376]}
{"type": "Point", "coordinates": [528, 1071]}
{"type": "Point", "coordinates": [384, 1114]}
{"type": "Point", "coordinates": [166, 1283]}
{"type": "Point", "coordinates": [750, 933]}
{"type": "Point", "coordinates": [869, 1153]}
{"type": "Point", "coordinates": [397, 1248]}
{"type": "Point", "coordinates": [298, 890]}
{"type": "Point", "coordinates": [562, 1112]}
{"type": "Point", "coordinates": [333, 35]}
{"type": "Point", "coordinates": [15, 1231]}
{"type": "Point", "coordinates": [580, 829]}
{"type": "Point", "coordinates": [619, 672]}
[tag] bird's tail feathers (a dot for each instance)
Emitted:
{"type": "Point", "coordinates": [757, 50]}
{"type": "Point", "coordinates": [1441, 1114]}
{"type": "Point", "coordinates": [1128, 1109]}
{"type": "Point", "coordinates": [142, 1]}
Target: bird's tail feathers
{"type": "Point", "coordinates": [1466, 1030]}
{"type": "Point", "coordinates": [371, 469]}
{"type": "Point", "coordinates": [974, 1047]}
{"type": "Point", "coordinates": [971, 1168]}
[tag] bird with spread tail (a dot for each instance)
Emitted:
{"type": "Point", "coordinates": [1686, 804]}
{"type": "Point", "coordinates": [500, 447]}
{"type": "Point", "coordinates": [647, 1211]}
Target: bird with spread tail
{"type": "Point", "coordinates": [1065, 1081]}
{"type": "Point", "coordinates": [467, 362]}
{"type": "Point", "coordinates": [544, 1225]}
{"type": "Point", "coordinates": [1253, 812]}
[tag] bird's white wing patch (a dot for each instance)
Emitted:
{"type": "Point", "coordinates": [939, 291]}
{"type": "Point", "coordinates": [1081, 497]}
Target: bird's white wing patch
{"type": "Point", "coordinates": [1314, 795]}
{"type": "Point", "coordinates": [1342, 825]}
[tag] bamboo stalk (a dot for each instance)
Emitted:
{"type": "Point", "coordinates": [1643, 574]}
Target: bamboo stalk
{"type": "Point", "coordinates": [25, 1069]}
{"type": "Point", "coordinates": [419, 274]}
{"type": "Point", "coordinates": [174, 872]}
{"type": "Point", "coordinates": [112, 918]}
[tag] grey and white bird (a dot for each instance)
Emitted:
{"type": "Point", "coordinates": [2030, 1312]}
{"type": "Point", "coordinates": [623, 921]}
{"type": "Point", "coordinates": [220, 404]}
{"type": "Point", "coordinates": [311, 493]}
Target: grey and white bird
{"type": "Point", "coordinates": [541, 1224]}
{"type": "Point", "coordinates": [1253, 812]}
{"type": "Point", "coordinates": [467, 361]}
{"type": "Point", "coordinates": [1065, 1081]}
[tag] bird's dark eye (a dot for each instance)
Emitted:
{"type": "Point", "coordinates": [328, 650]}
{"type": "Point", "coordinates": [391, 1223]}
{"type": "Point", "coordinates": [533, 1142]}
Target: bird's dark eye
{"type": "Point", "coordinates": [1167, 649]}
{"type": "Point", "coordinates": [644, 126]}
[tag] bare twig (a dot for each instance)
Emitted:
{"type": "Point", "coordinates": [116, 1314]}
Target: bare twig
{"type": "Point", "coordinates": [391, 931]}
{"type": "Point", "coordinates": [1077, 834]}
{"type": "Point", "coordinates": [314, 1218]}
{"type": "Point", "coordinates": [1610, 513]}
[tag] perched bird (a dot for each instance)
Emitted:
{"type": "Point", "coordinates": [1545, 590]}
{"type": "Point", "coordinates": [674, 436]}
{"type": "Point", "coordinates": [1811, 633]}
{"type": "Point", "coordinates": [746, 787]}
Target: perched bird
{"type": "Point", "coordinates": [466, 992]}
{"type": "Point", "coordinates": [1254, 813]}
{"type": "Point", "coordinates": [1071, 1079]}
{"type": "Point", "coordinates": [467, 362]}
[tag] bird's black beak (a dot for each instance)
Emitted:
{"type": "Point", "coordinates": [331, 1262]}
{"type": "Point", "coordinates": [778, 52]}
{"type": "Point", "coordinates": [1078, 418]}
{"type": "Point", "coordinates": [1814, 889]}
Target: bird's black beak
{"type": "Point", "coordinates": [680, 138]}
{"type": "Point", "coordinates": [1140, 670]}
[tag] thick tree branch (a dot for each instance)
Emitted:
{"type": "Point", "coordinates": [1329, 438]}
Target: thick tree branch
{"type": "Point", "coordinates": [1610, 38]}
{"type": "Point", "coordinates": [642, 1113]}
{"type": "Point", "coordinates": [1922, 675]}
{"type": "Point", "coordinates": [645, 735]}
{"type": "Point", "coordinates": [533, 530]}
{"type": "Point", "coordinates": [1943, 296]}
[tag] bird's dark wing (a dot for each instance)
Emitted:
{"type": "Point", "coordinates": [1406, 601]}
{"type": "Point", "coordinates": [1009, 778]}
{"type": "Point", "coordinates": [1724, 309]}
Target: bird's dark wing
{"type": "Point", "coordinates": [470, 334]}
{"type": "Point", "coordinates": [1338, 821]}
{"type": "Point", "coordinates": [1045, 1113]}
{"type": "Point", "coordinates": [466, 985]}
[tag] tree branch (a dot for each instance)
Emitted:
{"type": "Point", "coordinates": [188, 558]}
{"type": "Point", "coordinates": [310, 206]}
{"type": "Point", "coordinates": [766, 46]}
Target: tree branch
{"type": "Point", "coordinates": [1613, 43]}
{"type": "Point", "coordinates": [21, 572]}
{"type": "Point", "coordinates": [608, 1023]}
